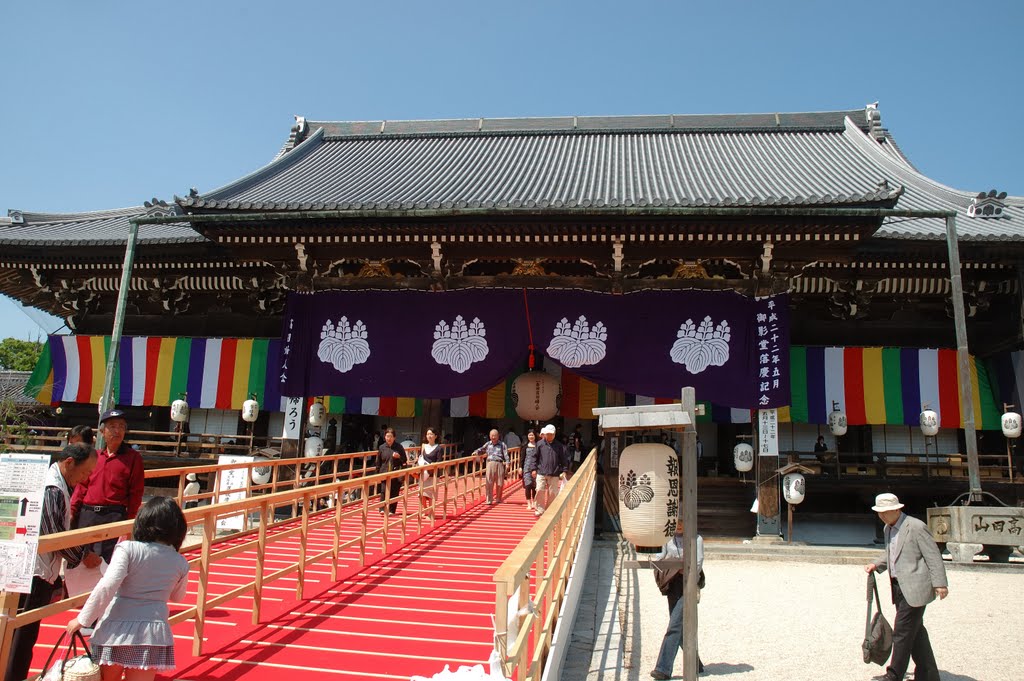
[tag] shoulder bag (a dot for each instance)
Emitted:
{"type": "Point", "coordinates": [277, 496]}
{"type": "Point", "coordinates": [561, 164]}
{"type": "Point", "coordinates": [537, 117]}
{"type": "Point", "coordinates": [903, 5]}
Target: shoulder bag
{"type": "Point", "coordinates": [877, 643]}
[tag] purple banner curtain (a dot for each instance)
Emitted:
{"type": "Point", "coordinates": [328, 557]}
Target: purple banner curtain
{"type": "Point", "coordinates": [732, 349]}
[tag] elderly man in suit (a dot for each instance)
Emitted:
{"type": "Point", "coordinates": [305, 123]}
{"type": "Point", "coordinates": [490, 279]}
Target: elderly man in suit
{"type": "Point", "coordinates": [918, 576]}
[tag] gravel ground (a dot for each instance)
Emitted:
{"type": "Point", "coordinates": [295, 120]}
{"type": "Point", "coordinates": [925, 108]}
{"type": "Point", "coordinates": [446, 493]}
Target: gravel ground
{"type": "Point", "coordinates": [774, 620]}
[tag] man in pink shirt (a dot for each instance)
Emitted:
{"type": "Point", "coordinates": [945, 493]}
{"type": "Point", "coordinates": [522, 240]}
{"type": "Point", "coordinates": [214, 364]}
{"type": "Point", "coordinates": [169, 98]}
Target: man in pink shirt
{"type": "Point", "coordinates": [114, 490]}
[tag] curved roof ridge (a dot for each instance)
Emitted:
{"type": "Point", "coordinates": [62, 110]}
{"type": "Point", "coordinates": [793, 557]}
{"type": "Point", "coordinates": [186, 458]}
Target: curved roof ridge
{"type": "Point", "coordinates": [276, 165]}
{"type": "Point", "coordinates": [906, 171]}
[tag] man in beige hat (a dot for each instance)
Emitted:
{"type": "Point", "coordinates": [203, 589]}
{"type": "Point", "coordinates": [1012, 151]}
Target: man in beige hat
{"type": "Point", "coordinates": [917, 576]}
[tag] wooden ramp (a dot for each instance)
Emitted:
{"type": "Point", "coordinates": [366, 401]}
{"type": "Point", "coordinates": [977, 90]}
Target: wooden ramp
{"type": "Point", "coordinates": [424, 605]}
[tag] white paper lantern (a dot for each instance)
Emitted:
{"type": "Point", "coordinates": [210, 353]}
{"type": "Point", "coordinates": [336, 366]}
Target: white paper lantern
{"type": "Point", "coordinates": [250, 411]}
{"type": "Point", "coordinates": [649, 484]}
{"type": "Point", "coordinates": [317, 414]}
{"type": "Point", "coordinates": [1011, 424]}
{"type": "Point", "coordinates": [743, 457]}
{"type": "Point", "coordinates": [535, 395]}
{"type": "Point", "coordinates": [837, 422]}
{"type": "Point", "coordinates": [179, 411]}
{"type": "Point", "coordinates": [261, 474]}
{"type": "Point", "coordinates": [793, 488]}
{"type": "Point", "coordinates": [314, 446]}
{"type": "Point", "coordinates": [929, 422]}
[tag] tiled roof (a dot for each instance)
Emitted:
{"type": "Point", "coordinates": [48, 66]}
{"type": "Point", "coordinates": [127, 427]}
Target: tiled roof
{"type": "Point", "coordinates": [99, 228]}
{"type": "Point", "coordinates": [825, 159]}
{"type": "Point", "coordinates": [565, 164]}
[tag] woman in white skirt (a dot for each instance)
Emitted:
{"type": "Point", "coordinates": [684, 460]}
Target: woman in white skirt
{"type": "Point", "coordinates": [430, 452]}
{"type": "Point", "coordinates": [132, 640]}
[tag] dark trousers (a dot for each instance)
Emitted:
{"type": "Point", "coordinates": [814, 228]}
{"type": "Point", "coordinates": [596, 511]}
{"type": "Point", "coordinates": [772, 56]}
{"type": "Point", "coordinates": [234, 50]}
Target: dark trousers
{"type": "Point", "coordinates": [396, 491]}
{"type": "Point", "coordinates": [90, 517]}
{"type": "Point", "coordinates": [910, 640]}
{"type": "Point", "coordinates": [25, 637]}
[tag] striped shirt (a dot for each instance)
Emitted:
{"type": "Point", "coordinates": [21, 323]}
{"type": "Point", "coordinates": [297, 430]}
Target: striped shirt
{"type": "Point", "coordinates": [54, 520]}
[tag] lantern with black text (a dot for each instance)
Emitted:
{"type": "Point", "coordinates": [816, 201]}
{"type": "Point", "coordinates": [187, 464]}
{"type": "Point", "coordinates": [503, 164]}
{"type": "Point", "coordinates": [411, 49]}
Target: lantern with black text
{"type": "Point", "coordinates": [793, 488]}
{"type": "Point", "coordinates": [250, 411]}
{"type": "Point", "coordinates": [743, 457]}
{"type": "Point", "coordinates": [314, 446]}
{"type": "Point", "coordinates": [929, 423]}
{"type": "Point", "coordinates": [317, 414]}
{"type": "Point", "coordinates": [179, 411]}
{"type": "Point", "coordinates": [648, 493]}
{"type": "Point", "coordinates": [535, 395]}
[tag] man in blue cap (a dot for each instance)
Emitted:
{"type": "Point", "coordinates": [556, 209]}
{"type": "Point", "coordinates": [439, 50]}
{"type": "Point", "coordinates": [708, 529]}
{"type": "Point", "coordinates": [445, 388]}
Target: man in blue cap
{"type": "Point", "coordinates": [114, 490]}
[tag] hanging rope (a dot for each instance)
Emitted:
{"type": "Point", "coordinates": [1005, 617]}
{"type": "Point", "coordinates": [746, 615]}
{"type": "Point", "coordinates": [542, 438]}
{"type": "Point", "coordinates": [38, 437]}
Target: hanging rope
{"type": "Point", "coordinates": [529, 328]}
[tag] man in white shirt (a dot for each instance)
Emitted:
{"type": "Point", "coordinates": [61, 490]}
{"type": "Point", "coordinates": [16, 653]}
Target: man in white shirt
{"type": "Point", "coordinates": [670, 582]}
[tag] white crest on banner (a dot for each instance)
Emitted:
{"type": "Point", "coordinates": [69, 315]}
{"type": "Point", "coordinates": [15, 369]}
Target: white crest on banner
{"type": "Point", "coordinates": [697, 348]}
{"type": "Point", "coordinates": [343, 346]}
{"type": "Point", "coordinates": [578, 344]}
{"type": "Point", "coordinates": [459, 345]}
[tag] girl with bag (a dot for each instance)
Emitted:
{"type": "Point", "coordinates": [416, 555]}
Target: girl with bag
{"type": "Point", "coordinates": [133, 638]}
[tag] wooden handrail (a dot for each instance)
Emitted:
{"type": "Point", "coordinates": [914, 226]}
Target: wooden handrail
{"type": "Point", "coordinates": [465, 473]}
{"type": "Point", "coordinates": [547, 551]}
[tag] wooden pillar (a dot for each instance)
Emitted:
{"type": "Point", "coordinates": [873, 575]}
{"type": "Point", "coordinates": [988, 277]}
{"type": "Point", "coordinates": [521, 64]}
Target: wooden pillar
{"type": "Point", "coordinates": [688, 514]}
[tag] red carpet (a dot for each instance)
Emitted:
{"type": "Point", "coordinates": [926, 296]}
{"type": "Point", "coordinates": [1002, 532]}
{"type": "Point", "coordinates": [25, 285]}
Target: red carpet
{"type": "Point", "coordinates": [427, 604]}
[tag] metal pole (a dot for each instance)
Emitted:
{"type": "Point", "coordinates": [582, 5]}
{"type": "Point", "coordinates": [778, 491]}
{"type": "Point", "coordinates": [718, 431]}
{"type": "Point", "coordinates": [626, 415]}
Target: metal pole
{"type": "Point", "coordinates": [688, 509]}
{"type": "Point", "coordinates": [107, 397]}
{"type": "Point", "coordinates": [963, 359]}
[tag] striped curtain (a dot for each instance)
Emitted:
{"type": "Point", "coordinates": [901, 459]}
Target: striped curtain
{"type": "Point", "coordinates": [886, 386]}
{"type": "Point", "coordinates": [217, 373]}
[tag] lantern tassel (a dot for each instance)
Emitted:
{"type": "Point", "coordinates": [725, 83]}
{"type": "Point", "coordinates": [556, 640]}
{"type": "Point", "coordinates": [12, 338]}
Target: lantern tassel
{"type": "Point", "coordinates": [529, 329]}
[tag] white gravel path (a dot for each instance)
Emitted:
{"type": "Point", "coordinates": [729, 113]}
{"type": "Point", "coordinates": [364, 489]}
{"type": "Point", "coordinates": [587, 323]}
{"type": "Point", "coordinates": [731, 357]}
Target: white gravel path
{"type": "Point", "coordinates": [786, 621]}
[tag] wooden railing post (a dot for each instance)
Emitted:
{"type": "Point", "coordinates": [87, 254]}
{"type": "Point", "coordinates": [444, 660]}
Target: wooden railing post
{"type": "Point", "coordinates": [261, 550]}
{"type": "Point", "coordinates": [304, 535]}
{"type": "Point", "coordinates": [7, 612]}
{"type": "Point", "coordinates": [202, 592]}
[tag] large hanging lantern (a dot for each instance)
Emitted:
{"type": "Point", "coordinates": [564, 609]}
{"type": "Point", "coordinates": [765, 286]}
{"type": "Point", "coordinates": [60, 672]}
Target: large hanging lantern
{"type": "Point", "coordinates": [535, 395]}
{"type": "Point", "coordinates": [261, 474]}
{"type": "Point", "coordinates": [314, 446]}
{"type": "Point", "coordinates": [793, 488]}
{"type": "Point", "coordinates": [1011, 424]}
{"type": "Point", "coordinates": [648, 487]}
{"type": "Point", "coordinates": [317, 414]}
{"type": "Point", "coordinates": [250, 411]}
{"type": "Point", "coordinates": [179, 411]}
{"type": "Point", "coordinates": [743, 457]}
{"type": "Point", "coordinates": [929, 423]}
{"type": "Point", "coordinates": [837, 422]}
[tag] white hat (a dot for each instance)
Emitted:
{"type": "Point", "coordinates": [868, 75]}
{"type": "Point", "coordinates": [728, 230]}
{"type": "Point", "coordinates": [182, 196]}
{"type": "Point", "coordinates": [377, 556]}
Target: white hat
{"type": "Point", "coordinates": [547, 429]}
{"type": "Point", "coordinates": [191, 477]}
{"type": "Point", "coordinates": [886, 502]}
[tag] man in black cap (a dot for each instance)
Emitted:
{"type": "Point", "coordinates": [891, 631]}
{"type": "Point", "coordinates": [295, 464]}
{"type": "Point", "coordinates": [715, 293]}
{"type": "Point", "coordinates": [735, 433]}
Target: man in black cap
{"type": "Point", "coordinates": [114, 490]}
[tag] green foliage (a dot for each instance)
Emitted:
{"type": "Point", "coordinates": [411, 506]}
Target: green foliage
{"type": "Point", "coordinates": [19, 355]}
{"type": "Point", "coordinates": [14, 432]}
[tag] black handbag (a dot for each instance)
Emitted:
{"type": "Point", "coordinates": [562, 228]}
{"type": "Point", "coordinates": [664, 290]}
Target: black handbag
{"type": "Point", "coordinates": [877, 644]}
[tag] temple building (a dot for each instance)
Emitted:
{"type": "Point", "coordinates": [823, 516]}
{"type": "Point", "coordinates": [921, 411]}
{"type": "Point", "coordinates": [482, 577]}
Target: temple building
{"type": "Point", "coordinates": [652, 221]}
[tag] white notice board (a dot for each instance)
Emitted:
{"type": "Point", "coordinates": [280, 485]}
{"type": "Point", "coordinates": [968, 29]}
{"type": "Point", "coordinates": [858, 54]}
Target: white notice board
{"type": "Point", "coordinates": [768, 432]}
{"type": "Point", "coordinates": [234, 485]}
{"type": "Point", "coordinates": [22, 477]}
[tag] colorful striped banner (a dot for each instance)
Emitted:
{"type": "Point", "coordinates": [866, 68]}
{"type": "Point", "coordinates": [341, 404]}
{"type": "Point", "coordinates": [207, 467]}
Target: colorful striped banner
{"type": "Point", "coordinates": [886, 386]}
{"type": "Point", "coordinates": [874, 385]}
{"type": "Point", "coordinates": [217, 373]}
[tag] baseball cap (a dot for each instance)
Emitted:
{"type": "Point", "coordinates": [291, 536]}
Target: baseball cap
{"type": "Point", "coordinates": [112, 414]}
{"type": "Point", "coordinates": [547, 429]}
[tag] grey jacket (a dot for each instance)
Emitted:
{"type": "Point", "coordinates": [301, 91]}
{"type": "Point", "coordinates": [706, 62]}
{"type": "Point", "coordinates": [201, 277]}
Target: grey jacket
{"type": "Point", "coordinates": [918, 563]}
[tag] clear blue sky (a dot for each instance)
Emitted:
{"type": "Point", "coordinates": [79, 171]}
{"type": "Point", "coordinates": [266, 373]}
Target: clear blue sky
{"type": "Point", "coordinates": [108, 104]}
